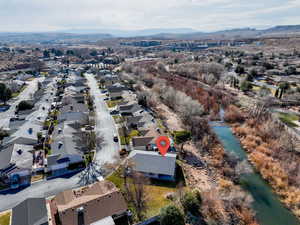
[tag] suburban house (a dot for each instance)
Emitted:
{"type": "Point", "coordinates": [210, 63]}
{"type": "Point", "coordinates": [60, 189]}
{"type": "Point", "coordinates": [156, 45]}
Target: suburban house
{"type": "Point", "coordinates": [129, 110]}
{"type": "Point", "coordinates": [26, 134]}
{"type": "Point", "coordinates": [79, 117]}
{"type": "Point", "coordinates": [142, 143]}
{"type": "Point", "coordinates": [134, 122]}
{"type": "Point", "coordinates": [70, 104]}
{"type": "Point", "coordinates": [67, 151]}
{"type": "Point", "coordinates": [140, 121]}
{"type": "Point", "coordinates": [154, 165]}
{"type": "Point", "coordinates": [31, 211]}
{"type": "Point", "coordinates": [146, 140]}
{"type": "Point", "coordinates": [96, 204]}
{"type": "Point", "coordinates": [115, 91]}
{"type": "Point", "coordinates": [110, 79]}
{"type": "Point", "coordinates": [15, 165]}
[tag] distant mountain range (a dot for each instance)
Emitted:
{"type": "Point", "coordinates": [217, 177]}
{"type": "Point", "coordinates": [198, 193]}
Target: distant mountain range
{"type": "Point", "coordinates": [188, 33]}
{"type": "Point", "coordinates": [234, 33]}
{"type": "Point", "coordinates": [130, 33]}
{"type": "Point", "coordinates": [91, 35]}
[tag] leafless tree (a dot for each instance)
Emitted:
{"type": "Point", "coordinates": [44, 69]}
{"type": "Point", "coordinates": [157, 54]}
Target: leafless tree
{"type": "Point", "coordinates": [137, 194]}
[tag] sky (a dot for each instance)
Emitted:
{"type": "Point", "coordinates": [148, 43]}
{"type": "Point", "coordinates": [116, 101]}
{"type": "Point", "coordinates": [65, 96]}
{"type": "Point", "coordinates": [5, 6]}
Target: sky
{"type": "Point", "coordinates": [201, 15]}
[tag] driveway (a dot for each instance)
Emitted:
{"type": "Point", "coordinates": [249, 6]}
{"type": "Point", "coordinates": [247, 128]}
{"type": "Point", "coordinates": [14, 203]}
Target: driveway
{"type": "Point", "coordinates": [105, 125]}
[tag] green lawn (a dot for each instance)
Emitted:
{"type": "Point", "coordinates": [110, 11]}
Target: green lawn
{"type": "Point", "coordinates": [15, 94]}
{"type": "Point", "coordinates": [5, 218]}
{"type": "Point", "coordinates": [118, 119]}
{"type": "Point", "coordinates": [112, 103]}
{"type": "Point", "coordinates": [289, 119]}
{"type": "Point", "coordinates": [156, 194]}
{"type": "Point", "coordinates": [126, 140]}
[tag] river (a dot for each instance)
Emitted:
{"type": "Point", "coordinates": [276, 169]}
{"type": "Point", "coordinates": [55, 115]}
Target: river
{"type": "Point", "coordinates": [269, 210]}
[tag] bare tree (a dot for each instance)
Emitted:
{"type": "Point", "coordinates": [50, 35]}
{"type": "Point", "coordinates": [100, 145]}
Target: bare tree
{"type": "Point", "coordinates": [135, 188]}
{"type": "Point", "coordinates": [137, 194]}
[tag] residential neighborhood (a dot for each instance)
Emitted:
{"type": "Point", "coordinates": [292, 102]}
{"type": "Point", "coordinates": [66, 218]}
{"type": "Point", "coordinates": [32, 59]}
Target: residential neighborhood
{"type": "Point", "coordinates": [149, 113]}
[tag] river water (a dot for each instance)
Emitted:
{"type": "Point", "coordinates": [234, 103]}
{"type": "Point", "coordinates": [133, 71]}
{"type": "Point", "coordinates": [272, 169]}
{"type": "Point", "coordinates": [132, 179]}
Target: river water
{"type": "Point", "coordinates": [269, 210]}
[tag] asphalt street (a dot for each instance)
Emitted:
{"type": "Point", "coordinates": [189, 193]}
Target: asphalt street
{"type": "Point", "coordinates": [105, 125]}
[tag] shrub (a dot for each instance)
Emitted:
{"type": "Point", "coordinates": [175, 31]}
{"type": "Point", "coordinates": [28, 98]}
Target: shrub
{"type": "Point", "coordinates": [24, 105]}
{"type": "Point", "coordinates": [246, 85]}
{"type": "Point", "coordinates": [171, 215]}
{"type": "Point", "coordinates": [233, 114]}
{"type": "Point", "coordinates": [190, 203]}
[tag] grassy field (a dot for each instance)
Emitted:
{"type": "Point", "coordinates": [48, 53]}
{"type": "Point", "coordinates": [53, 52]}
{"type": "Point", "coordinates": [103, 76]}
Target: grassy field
{"type": "Point", "coordinates": [289, 119]}
{"type": "Point", "coordinates": [5, 218]}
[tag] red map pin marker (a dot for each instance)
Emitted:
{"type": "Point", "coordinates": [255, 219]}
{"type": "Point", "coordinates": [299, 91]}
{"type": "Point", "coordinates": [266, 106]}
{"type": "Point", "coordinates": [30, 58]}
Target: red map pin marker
{"type": "Point", "coordinates": [163, 144]}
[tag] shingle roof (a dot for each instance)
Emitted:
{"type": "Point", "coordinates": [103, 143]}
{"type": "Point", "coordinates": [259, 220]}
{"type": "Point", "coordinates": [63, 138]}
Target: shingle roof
{"type": "Point", "coordinates": [133, 119]}
{"type": "Point", "coordinates": [99, 200]}
{"type": "Point", "coordinates": [141, 141]}
{"type": "Point", "coordinates": [153, 162]}
{"type": "Point", "coordinates": [32, 211]}
{"type": "Point", "coordinates": [69, 138]}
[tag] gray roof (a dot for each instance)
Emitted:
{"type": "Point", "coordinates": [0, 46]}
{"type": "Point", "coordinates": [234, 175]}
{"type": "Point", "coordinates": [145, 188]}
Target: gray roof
{"type": "Point", "coordinates": [73, 116]}
{"type": "Point", "coordinates": [32, 211]}
{"type": "Point", "coordinates": [74, 107]}
{"type": "Point", "coordinates": [58, 159]}
{"type": "Point", "coordinates": [5, 157]}
{"type": "Point", "coordinates": [153, 162]}
{"type": "Point", "coordinates": [22, 156]}
{"type": "Point", "coordinates": [114, 89]}
{"type": "Point", "coordinates": [141, 141]}
{"type": "Point", "coordinates": [14, 125]}
{"type": "Point", "coordinates": [130, 108]}
{"type": "Point", "coordinates": [133, 119]}
{"type": "Point", "coordinates": [69, 138]}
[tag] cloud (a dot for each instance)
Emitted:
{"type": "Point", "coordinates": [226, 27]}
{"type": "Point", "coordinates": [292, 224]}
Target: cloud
{"type": "Point", "coordinates": [206, 15]}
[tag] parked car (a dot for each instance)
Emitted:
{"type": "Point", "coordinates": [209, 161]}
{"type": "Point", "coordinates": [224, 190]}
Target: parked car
{"type": "Point", "coordinates": [16, 117]}
{"type": "Point", "coordinates": [103, 91]}
{"type": "Point", "coordinates": [116, 139]}
{"type": "Point", "coordinates": [123, 152]}
{"type": "Point", "coordinates": [106, 99]}
{"type": "Point", "coordinates": [114, 112]}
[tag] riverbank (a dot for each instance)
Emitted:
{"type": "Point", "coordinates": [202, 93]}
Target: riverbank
{"type": "Point", "coordinates": [209, 171]}
{"type": "Point", "coordinates": [268, 208]}
{"type": "Point", "coordinates": [266, 151]}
